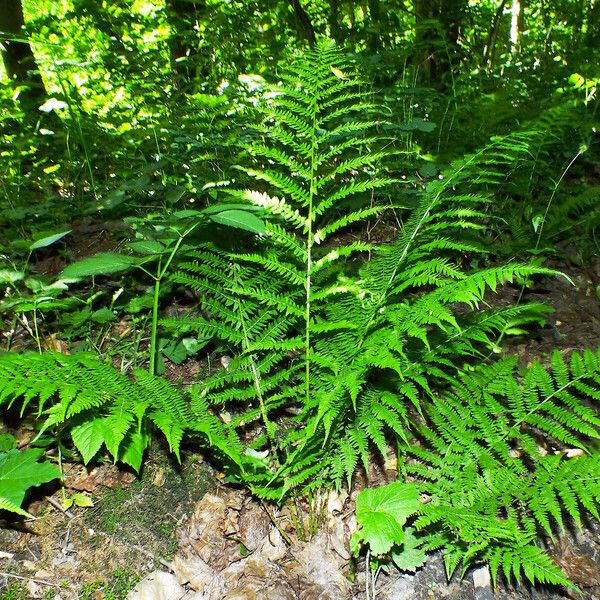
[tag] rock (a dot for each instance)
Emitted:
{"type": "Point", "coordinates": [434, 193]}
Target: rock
{"type": "Point", "coordinates": [157, 586]}
{"type": "Point", "coordinates": [321, 565]}
{"type": "Point", "coordinates": [199, 576]}
{"type": "Point", "coordinates": [482, 583]}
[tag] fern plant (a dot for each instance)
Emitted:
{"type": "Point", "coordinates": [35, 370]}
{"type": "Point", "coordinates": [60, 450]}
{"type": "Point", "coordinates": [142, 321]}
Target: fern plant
{"type": "Point", "coordinates": [99, 406]}
{"type": "Point", "coordinates": [500, 459]}
{"type": "Point", "coordinates": [329, 348]}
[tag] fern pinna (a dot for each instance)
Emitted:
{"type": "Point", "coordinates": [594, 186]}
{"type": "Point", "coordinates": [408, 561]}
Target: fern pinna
{"type": "Point", "coordinates": [330, 349]}
{"type": "Point", "coordinates": [502, 458]}
{"type": "Point", "coordinates": [100, 406]}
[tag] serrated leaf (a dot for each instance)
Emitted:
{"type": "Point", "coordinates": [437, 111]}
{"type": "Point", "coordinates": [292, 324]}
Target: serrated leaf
{"type": "Point", "coordinates": [146, 247]}
{"type": "Point", "coordinates": [132, 449]}
{"type": "Point", "coordinates": [240, 219]}
{"type": "Point", "coordinates": [101, 264]}
{"type": "Point", "coordinates": [382, 512]}
{"type": "Point", "coordinates": [20, 471]}
{"type": "Point", "coordinates": [410, 557]}
{"type": "Point", "coordinates": [9, 276]}
{"type": "Point", "coordinates": [88, 438]}
{"type": "Point", "coordinates": [7, 442]}
{"type": "Point", "coordinates": [48, 240]}
{"type": "Point", "coordinates": [82, 500]}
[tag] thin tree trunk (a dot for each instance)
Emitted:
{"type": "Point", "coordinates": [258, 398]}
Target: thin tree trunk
{"type": "Point", "coordinates": [375, 17]}
{"type": "Point", "coordinates": [438, 24]}
{"type": "Point", "coordinates": [592, 38]}
{"type": "Point", "coordinates": [488, 53]}
{"type": "Point", "coordinates": [333, 20]}
{"type": "Point", "coordinates": [304, 25]}
{"type": "Point", "coordinates": [17, 54]}
{"type": "Point", "coordinates": [516, 25]}
{"type": "Point", "coordinates": [186, 59]}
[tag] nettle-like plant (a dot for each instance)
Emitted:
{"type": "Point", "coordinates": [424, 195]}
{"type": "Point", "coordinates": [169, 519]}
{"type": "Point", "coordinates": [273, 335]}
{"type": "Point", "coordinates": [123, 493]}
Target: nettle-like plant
{"type": "Point", "coordinates": [333, 344]}
{"type": "Point", "coordinates": [87, 401]}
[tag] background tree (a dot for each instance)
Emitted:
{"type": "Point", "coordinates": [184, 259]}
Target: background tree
{"type": "Point", "coordinates": [17, 55]}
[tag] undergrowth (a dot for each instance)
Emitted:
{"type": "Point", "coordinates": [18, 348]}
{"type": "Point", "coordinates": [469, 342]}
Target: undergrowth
{"type": "Point", "coordinates": [339, 349]}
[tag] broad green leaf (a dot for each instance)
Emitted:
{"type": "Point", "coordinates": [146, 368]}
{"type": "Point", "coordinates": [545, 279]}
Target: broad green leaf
{"type": "Point", "coordinates": [131, 451]}
{"type": "Point", "coordinates": [100, 264]}
{"type": "Point", "coordinates": [48, 240]}
{"type": "Point", "coordinates": [9, 276]}
{"type": "Point", "coordinates": [187, 214]}
{"type": "Point", "coordinates": [7, 442]}
{"type": "Point", "coordinates": [103, 315]}
{"type": "Point", "coordinates": [147, 247]}
{"type": "Point", "coordinates": [418, 124]}
{"type": "Point", "coordinates": [78, 499]}
{"type": "Point", "coordinates": [12, 507]}
{"type": "Point", "coordinates": [18, 472]}
{"type": "Point", "coordinates": [218, 208]}
{"type": "Point", "coordinates": [410, 557]}
{"type": "Point", "coordinates": [382, 512]}
{"type": "Point", "coordinates": [175, 351]}
{"type": "Point", "coordinates": [88, 438]}
{"type": "Point", "coordinates": [428, 169]}
{"type": "Point", "coordinates": [240, 219]}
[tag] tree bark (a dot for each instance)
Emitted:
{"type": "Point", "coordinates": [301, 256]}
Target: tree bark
{"type": "Point", "coordinates": [375, 18]}
{"type": "Point", "coordinates": [304, 25]}
{"type": "Point", "coordinates": [516, 24]}
{"type": "Point", "coordinates": [333, 21]}
{"type": "Point", "coordinates": [17, 54]}
{"type": "Point", "coordinates": [488, 54]}
{"type": "Point", "coordinates": [592, 38]}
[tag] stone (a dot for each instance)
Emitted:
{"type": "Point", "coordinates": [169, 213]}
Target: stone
{"type": "Point", "coordinates": [157, 586]}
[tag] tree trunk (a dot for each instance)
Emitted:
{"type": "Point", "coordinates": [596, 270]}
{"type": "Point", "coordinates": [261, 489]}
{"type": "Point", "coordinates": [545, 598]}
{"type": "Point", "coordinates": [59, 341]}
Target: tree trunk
{"type": "Point", "coordinates": [592, 38]}
{"type": "Point", "coordinates": [488, 53]}
{"type": "Point", "coordinates": [304, 25]}
{"type": "Point", "coordinates": [516, 24]}
{"type": "Point", "coordinates": [438, 24]}
{"type": "Point", "coordinates": [17, 55]}
{"type": "Point", "coordinates": [374, 40]}
{"type": "Point", "coordinates": [333, 21]}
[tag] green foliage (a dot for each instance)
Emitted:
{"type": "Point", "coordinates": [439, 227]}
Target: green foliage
{"type": "Point", "coordinates": [98, 405]}
{"type": "Point", "coordinates": [19, 471]}
{"type": "Point", "coordinates": [328, 350]}
{"type": "Point", "coordinates": [334, 348]}
{"type": "Point", "coordinates": [500, 459]}
{"type": "Point", "coordinates": [382, 513]}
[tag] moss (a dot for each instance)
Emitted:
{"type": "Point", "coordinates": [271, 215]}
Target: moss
{"type": "Point", "coordinates": [120, 583]}
{"type": "Point", "coordinates": [148, 511]}
{"type": "Point", "coordinates": [13, 592]}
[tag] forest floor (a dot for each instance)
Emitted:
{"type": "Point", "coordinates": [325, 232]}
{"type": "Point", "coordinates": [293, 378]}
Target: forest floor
{"type": "Point", "coordinates": [192, 533]}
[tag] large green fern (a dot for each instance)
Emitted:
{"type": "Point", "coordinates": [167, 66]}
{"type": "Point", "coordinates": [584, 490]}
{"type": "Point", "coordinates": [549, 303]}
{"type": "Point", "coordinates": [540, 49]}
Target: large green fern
{"type": "Point", "coordinates": [502, 458]}
{"type": "Point", "coordinates": [330, 349]}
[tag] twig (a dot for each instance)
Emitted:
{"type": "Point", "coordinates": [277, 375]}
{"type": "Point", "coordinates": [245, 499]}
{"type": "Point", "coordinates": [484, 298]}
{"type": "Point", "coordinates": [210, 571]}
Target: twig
{"type": "Point", "coordinates": [40, 581]}
{"type": "Point", "coordinates": [158, 559]}
{"type": "Point", "coordinates": [284, 535]}
{"type": "Point", "coordinates": [58, 505]}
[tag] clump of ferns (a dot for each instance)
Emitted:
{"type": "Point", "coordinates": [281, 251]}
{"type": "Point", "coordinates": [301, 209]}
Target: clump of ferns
{"type": "Point", "coordinates": [331, 346]}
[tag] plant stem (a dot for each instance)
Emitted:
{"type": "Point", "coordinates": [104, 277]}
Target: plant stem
{"type": "Point", "coordinates": [36, 330]}
{"type": "Point", "coordinates": [154, 326]}
{"type": "Point", "coordinates": [160, 272]}
{"type": "Point", "coordinates": [309, 244]}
